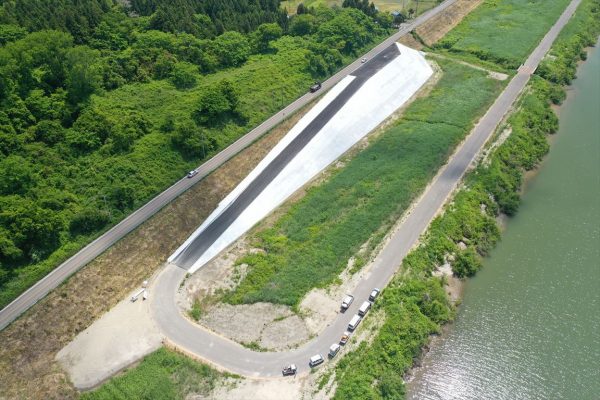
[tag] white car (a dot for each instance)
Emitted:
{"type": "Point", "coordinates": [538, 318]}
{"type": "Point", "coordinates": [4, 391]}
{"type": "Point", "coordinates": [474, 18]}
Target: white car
{"type": "Point", "coordinates": [347, 301]}
{"type": "Point", "coordinates": [316, 360]}
{"type": "Point", "coordinates": [333, 350]}
{"type": "Point", "coordinates": [363, 60]}
{"type": "Point", "coordinates": [192, 173]}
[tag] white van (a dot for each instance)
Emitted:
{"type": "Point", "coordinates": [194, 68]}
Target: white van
{"type": "Point", "coordinates": [366, 306]}
{"type": "Point", "coordinates": [354, 322]}
{"type": "Point", "coordinates": [316, 360]}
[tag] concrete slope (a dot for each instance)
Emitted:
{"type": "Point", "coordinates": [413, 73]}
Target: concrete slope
{"type": "Point", "coordinates": [98, 246]}
{"type": "Point", "coordinates": [231, 356]}
{"type": "Point", "coordinates": [364, 100]}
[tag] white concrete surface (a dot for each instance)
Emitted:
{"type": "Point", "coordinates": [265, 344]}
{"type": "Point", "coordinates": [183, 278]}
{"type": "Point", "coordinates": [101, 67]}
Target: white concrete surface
{"type": "Point", "coordinates": [121, 337]}
{"type": "Point", "coordinates": [375, 101]}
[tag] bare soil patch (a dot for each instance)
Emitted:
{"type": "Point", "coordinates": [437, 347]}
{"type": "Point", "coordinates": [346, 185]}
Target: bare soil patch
{"type": "Point", "coordinates": [29, 345]}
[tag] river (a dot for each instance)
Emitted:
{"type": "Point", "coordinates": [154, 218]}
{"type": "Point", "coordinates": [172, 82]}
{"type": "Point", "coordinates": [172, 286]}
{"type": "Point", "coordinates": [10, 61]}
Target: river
{"type": "Point", "coordinates": [529, 323]}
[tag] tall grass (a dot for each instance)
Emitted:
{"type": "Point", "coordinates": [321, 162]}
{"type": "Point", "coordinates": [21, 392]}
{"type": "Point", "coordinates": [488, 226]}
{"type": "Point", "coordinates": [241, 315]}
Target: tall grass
{"type": "Point", "coordinates": [503, 31]}
{"type": "Point", "coordinates": [163, 374]}
{"type": "Point", "coordinates": [312, 243]}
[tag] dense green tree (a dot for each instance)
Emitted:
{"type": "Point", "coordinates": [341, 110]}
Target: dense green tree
{"type": "Point", "coordinates": [192, 140]}
{"type": "Point", "coordinates": [16, 175]}
{"type": "Point", "coordinates": [10, 33]}
{"type": "Point", "coordinates": [184, 75]}
{"type": "Point", "coordinates": [50, 107]}
{"type": "Point", "coordinates": [303, 24]}
{"type": "Point", "coordinates": [89, 220]}
{"type": "Point", "coordinates": [265, 34]}
{"type": "Point", "coordinates": [34, 230]}
{"type": "Point", "coordinates": [232, 49]}
{"type": "Point", "coordinates": [467, 262]}
{"type": "Point", "coordinates": [50, 132]}
{"type": "Point", "coordinates": [216, 104]}
{"type": "Point", "coordinates": [84, 73]}
{"type": "Point", "coordinates": [90, 131]}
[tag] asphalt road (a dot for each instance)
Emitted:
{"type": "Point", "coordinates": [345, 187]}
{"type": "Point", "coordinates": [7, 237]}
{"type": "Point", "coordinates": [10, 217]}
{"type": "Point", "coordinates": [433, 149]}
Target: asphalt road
{"type": "Point", "coordinates": [98, 246]}
{"type": "Point", "coordinates": [215, 229]}
{"type": "Point", "coordinates": [229, 355]}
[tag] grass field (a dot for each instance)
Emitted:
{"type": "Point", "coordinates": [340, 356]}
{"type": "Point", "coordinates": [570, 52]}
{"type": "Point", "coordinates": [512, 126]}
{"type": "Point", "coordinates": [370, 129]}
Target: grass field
{"type": "Point", "coordinates": [162, 375]}
{"type": "Point", "coordinates": [312, 243]}
{"type": "Point", "coordinates": [503, 31]}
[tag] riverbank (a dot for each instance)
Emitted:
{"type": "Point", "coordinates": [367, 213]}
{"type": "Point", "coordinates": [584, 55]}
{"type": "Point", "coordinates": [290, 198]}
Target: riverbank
{"type": "Point", "coordinates": [468, 230]}
{"type": "Point", "coordinates": [528, 325]}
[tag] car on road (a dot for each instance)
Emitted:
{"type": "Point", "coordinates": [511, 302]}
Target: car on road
{"type": "Point", "coordinates": [192, 173]}
{"type": "Point", "coordinates": [363, 60]}
{"type": "Point", "coordinates": [374, 294]}
{"type": "Point", "coordinates": [347, 301]}
{"type": "Point", "coordinates": [354, 322]}
{"type": "Point", "coordinates": [316, 360]}
{"type": "Point", "coordinates": [333, 350]}
{"type": "Point", "coordinates": [315, 87]}
{"type": "Point", "coordinates": [364, 307]}
{"type": "Point", "coordinates": [289, 370]}
{"type": "Point", "coordinates": [345, 337]}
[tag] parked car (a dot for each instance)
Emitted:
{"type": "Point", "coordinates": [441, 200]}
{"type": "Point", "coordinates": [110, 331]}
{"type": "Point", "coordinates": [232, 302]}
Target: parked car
{"type": "Point", "coordinates": [333, 350]}
{"type": "Point", "coordinates": [289, 370]}
{"type": "Point", "coordinates": [345, 337]}
{"type": "Point", "coordinates": [354, 322]}
{"type": "Point", "coordinates": [364, 307]}
{"type": "Point", "coordinates": [315, 87]}
{"type": "Point", "coordinates": [374, 294]}
{"type": "Point", "coordinates": [363, 60]}
{"type": "Point", "coordinates": [192, 173]}
{"type": "Point", "coordinates": [347, 301]}
{"type": "Point", "coordinates": [316, 360]}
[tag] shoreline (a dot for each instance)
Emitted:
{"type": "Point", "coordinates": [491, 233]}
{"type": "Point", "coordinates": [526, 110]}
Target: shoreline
{"type": "Point", "coordinates": [456, 287]}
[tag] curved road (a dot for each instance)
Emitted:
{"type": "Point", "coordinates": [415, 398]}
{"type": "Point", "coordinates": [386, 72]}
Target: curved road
{"type": "Point", "coordinates": [229, 355]}
{"type": "Point", "coordinates": [98, 246]}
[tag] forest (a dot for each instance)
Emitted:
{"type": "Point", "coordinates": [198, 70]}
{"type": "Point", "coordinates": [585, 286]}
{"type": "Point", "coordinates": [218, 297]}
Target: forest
{"type": "Point", "coordinates": [104, 103]}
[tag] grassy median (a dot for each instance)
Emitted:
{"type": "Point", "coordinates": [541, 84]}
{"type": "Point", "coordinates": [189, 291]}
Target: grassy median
{"type": "Point", "coordinates": [311, 244]}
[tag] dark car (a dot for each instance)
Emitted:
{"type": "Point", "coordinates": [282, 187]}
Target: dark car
{"type": "Point", "coordinates": [374, 294]}
{"type": "Point", "coordinates": [315, 87]}
{"type": "Point", "coordinates": [289, 370]}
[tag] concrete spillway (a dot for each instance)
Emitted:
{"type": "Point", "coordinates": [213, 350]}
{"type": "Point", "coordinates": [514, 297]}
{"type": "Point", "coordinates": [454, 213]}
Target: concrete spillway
{"type": "Point", "coordinates": [347, 113]}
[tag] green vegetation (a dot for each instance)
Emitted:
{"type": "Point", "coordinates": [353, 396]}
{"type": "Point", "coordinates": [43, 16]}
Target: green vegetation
{"type": "Point", "coordinates": [101, 109]}
{"type": "Point", "coordinates": [414, 303]}
{"type": "Point", "coordinates": [162, 375]}
{"type": "Point", "coordinates": [312, 243]}
{"type": "Point", "coordinates": [196, 310]}
{"type": "Point", "coordinates": [503, 31]}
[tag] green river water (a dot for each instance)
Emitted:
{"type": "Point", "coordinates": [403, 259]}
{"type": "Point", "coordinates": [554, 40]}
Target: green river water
{"type": "Point", "coordinates": [529, 324]}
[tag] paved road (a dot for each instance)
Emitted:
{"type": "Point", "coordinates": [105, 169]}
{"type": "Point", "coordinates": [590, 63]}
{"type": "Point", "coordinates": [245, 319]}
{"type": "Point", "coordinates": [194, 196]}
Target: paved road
{"type": "Point", "coordinates": [196, 248]}
{"type": "Point", "coordinates": [98, 246]}
{"type": "Point", "coordinates": [231, 356]}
